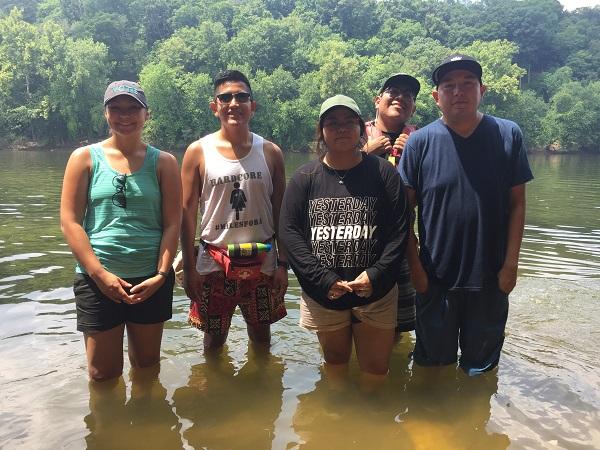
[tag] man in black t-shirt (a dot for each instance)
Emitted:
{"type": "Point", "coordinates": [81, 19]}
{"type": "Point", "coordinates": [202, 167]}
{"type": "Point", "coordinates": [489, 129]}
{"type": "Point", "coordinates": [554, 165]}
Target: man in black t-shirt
{"type": "Point", "coordinates": [467, 173]}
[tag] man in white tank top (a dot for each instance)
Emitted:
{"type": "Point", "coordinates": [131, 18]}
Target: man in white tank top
{"type": "Point", "coordinates": [237, 179]}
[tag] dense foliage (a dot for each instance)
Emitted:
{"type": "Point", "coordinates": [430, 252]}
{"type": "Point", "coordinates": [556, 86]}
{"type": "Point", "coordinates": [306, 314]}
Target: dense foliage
{"type": "Point", "coordinates": [541, 63]}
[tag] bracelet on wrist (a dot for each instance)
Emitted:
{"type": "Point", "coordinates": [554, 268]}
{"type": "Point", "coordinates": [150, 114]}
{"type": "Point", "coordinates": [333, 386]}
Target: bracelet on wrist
{"type": "Point", "coordinates": [283, 264]}
{"type": "Point", "coordinates": [162, 274]}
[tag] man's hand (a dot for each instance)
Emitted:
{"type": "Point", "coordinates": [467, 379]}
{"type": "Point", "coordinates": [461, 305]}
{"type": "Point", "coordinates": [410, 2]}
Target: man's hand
{"type": "Point", "coordinates": [280, 281]}
{"type": "Point", "coordinates": [361, 285]}
{"type": "Point", "coordinates": [378, 145]}
{"type": "Point", "coordinates": [418, 278]}
{"type": "Point", "coordinates": [400, 143]}
{"type": "Point", "coordinates": [192, 283]}
{"type": "Point", "coordinates": [507, 279]}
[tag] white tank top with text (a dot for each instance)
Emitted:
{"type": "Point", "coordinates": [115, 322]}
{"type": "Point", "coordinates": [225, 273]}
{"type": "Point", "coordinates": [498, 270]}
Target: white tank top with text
{"type": "Point", "coordinates": [235, 204]}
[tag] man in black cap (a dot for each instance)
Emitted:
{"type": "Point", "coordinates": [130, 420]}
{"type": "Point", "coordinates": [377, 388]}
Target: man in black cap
{"type": "Point", "coordinates": [394, 106]}
{"type": "Point", "coordinates": [466, 172]}
{"type": "Point", "coordinates": [387, 134]}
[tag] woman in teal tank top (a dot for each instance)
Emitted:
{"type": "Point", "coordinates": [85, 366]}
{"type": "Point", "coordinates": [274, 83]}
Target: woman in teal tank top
{"type": "Point", "coordinates": [120, 214]}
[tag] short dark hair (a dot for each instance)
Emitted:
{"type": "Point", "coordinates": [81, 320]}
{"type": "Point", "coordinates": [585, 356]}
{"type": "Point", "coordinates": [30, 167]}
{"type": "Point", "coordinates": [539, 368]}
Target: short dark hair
{"type": "Point", "coordinates": [230, 75]}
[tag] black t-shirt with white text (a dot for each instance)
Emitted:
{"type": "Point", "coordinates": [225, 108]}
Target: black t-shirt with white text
{"type": "Point", "coordinates": [334, 230]}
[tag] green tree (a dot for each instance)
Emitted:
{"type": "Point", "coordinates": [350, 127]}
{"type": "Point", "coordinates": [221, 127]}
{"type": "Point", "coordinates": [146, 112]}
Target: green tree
{"type": "Point", "coordinates": [280, 8]}
{"type": "Point", "coordinates": [266, 43]}
{"type": "Point", "coordinates": [352, 18]}
{"type": "Point", "coordinates": [53, 83]}
{"type": "Point", "coordinates": [528, 110]}
{"type": "Point", "coordinates": [194, 49]}
{"type": "Point", "coordinates": [579, 42]}
{"type": "Point", "coordinates": [586, 63]}
{"type": "Point", "coordinates": [191, 13]}
{"type": "Point", "coordinates": [125, 48]}
{"type": "Point", "coordinates": [77, 85]}
{"type": "Point", "coordinates": [29, 8]}
{"type": "Point", "coordinates": [500, 74]}
{"type": "Point", "coordinates": [273, 93]}
{"type": "Point", "coordinates": [338, 73]}
{"type": "Point", "coordinates": [573, 117]}
{"type": "Point", "coordinates": [153, 16]}
{"type": "Point", "coordinates": [393, 37]}
{"type": "Point", "coordinates": [548, 83]}
{"type": "Point", "coordinates": [531, 24]}
{"type": "Point", "coordinates": [178, 105]}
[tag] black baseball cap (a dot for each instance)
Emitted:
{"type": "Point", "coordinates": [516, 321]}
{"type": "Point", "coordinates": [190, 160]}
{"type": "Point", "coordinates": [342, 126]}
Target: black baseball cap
{"type": "Point", "coordinates": [402, 79]}
{"type": "Point", "coordinates": [124, 87]}
{"type": "Point", "coordinates": [456, 61]}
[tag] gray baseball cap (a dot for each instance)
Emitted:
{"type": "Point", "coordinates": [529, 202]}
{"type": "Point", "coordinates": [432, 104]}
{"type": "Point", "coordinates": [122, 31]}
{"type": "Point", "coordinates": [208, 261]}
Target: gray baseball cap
{"type": "Point", "coordinates": [339, 100]}
{"type": "Point", "coordinates": [124, 87]}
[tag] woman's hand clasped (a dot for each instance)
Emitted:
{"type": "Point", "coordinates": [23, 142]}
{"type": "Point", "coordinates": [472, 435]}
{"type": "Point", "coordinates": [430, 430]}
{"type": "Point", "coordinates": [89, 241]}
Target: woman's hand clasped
{"type": "Point", "coordinates": [112, 286]}
{"type": "Point", "coordinates": [146, 289]}
{"type": "Point", "coordinates": [338, 289]}
{"type": "Point", "coordinates": [361, 285]}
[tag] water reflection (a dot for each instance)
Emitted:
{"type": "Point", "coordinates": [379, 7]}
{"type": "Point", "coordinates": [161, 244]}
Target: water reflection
{"type": "Point", "coordinates": [451, 410]}
{"type": "Point", "coordinates": [417, 408]}
{"type": "Point", "coordinates": [146, 420]}
{"type": "Point", "coordinates": [230, 408]}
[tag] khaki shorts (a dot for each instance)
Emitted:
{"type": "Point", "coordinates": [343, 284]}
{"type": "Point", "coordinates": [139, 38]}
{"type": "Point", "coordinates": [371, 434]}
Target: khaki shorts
{"type": "Point", "coordinates": [379, 314]}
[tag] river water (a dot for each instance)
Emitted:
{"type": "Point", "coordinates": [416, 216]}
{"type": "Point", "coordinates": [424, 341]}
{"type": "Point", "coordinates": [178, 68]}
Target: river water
{"type": "Point", "coordinates": [545, 395]}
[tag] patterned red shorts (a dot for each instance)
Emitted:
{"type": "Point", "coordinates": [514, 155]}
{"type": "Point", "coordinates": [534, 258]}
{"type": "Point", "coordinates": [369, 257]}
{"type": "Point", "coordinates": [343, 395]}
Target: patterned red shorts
{"type": "Point", "coordinates": [212, 313]}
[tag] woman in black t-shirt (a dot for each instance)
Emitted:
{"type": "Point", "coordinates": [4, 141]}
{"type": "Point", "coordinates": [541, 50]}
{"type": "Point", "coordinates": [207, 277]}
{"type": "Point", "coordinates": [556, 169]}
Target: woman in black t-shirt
{"type": "Point", "coordinates": [344, 225]}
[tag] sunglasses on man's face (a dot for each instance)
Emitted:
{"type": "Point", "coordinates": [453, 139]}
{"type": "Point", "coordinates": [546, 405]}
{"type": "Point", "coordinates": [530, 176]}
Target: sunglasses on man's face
{"type": "Point", "coordinates": [240, 97]}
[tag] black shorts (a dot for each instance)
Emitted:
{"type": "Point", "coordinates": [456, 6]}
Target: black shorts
{"type": "Point", "coordinates": [97, 312]}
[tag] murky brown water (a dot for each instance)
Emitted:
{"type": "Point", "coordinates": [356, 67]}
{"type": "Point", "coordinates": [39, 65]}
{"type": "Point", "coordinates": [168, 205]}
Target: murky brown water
{"type": "Point", "coordinates": [546, 393]}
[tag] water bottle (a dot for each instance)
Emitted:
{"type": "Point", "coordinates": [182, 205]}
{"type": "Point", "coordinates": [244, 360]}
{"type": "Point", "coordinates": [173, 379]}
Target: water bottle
{"type": "Point", "coordinates": [247, 249]}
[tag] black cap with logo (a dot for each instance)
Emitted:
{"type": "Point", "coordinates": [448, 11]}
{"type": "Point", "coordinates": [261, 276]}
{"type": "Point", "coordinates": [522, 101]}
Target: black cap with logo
{"type": "Point", "coordinates": [456, 62]}
{"type": "Point", "coordinates": [402, 79]}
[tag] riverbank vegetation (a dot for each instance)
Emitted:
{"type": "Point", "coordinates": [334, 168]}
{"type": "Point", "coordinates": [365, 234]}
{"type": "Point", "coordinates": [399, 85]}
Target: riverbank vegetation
{"type": "Point", "coordinates": [541, 63]}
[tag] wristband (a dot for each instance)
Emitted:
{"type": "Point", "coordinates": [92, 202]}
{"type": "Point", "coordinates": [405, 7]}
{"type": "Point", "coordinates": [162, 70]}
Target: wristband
{"type": "Point", "coordinates": [163, 274]}
{"type": "Point", "coordinates": [284, 264]}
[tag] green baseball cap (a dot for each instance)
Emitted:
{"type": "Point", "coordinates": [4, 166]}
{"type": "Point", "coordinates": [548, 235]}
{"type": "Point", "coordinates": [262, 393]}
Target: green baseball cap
{"type": "Point", "coordinates": [339, 100]}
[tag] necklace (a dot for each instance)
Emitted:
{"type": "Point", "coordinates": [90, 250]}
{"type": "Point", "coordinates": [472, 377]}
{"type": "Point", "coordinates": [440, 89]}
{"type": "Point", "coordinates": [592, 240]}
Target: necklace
{"type": "Point", "coordinates": [341, 178]}
{"type": "Point", "coordinates": [337, 174]}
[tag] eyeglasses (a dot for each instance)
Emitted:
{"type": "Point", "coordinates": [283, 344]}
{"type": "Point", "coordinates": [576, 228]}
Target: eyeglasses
{"type": "Point", "coordinates": [240, 97]}
{"type": "Point", "coordinates": [120, 184]}
{"type": "Point", "coordinates": [397, 93]}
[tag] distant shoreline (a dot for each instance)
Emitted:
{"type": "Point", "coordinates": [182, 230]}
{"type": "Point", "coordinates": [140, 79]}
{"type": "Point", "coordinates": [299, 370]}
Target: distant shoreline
{"type": "Point", "coordinates": [36, 146]}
